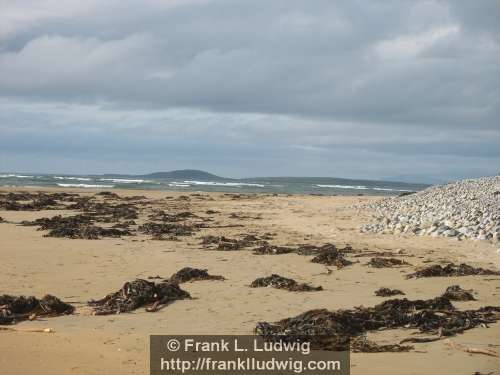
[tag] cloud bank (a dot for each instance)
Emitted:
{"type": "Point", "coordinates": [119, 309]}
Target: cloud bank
{"type": "Point", "coordinates": [393, 89]}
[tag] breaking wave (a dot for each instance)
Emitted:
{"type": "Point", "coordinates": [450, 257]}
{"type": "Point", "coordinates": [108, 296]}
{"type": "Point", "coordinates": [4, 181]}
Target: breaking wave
{"type": "Point", "coordinates": [86, 185]}
{"type": "Point", "coordinates": [229, 184]}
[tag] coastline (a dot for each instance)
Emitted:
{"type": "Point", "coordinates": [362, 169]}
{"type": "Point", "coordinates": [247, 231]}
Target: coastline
{"type": "Point", "coordinates": [78, 270]}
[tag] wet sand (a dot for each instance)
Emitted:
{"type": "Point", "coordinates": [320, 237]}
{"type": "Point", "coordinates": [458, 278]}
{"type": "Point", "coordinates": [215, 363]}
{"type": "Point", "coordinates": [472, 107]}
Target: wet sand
{"type": "Point", "coordinates": [78, 270]}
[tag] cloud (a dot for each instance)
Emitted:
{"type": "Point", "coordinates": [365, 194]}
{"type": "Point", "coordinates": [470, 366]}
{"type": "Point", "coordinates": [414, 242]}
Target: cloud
{"type": "Point", "coordinates": [375, 81]}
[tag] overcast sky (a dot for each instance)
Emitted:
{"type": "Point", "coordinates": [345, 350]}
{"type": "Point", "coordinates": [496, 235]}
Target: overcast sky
{"type": "Point", "coordinates": [365, 89]}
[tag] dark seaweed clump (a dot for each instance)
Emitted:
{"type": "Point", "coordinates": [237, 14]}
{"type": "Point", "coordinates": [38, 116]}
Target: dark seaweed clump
{"type": "Point", "coordinates": [15, 309]}
{"type": "Point", "coordinates": [451, 269]}
{"type": "Point", "coordinates": [331, 256]}
{"type": "Point", "coordinates": [332, 330]}
{"type": "Point", "coordinates": [138, 293]}
{"type": "Point", "coordinates": [280, 282]}
{"type": "Point", "coordinates": [268, 249]}
{"type": "Point", "coordinates": [378, 262]}
{"type": "Point", "coordinates": [193, 274]}
{"type": "Point", "coordinates": [75, 227]}
{"type": "Point", "coordinates": [386, 292]}
{"type": "Point", "coordinates": [455, 293]}
{"type": "Point", "coordinates": [171, 230]}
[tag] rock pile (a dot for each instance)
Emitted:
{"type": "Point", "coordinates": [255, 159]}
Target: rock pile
{"type": "Point", "coordinates": [464, 209]}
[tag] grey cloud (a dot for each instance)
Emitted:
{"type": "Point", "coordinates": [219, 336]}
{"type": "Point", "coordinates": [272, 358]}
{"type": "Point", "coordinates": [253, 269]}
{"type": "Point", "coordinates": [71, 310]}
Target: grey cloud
{"type": "Point", "coordinates": [415, 79]}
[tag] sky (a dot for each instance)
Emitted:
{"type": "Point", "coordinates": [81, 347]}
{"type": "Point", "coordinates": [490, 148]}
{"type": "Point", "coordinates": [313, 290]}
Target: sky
{"type": "Point", "coordinates": [405, 90]}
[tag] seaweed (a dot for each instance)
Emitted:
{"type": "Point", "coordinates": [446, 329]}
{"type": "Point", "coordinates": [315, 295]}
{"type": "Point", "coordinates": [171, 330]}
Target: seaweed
{"type": "Point", "coordinates": [157, 230]}
{"type": "Point", "coordinates": [268, 249]}
{"type": "Point", "coordinates": [378, 262]}
{"type": "Point", "coordinates": [280, 282]}
{"type": "Point", "coordinates": [193, 274]}
{"type": "Point", "coordinates": [331, 256]}
{"type": "Point", "coordinates": [90, 232]}
{"type": "Point", "coordinates": [15, 309]}
{"type": "Point", "coordinates": [161, 215]}
{"type": "Point", "coordinates": [39, 201]}
{"type": "Point", "coordinates": [75, 227]}
{"type": "Point", "coordinates": [455, 293]}
{"type": "Point", "coordinates": [331, 330]}
{"type": "Point", "coordinates": [361, 344]}
{"type": "Point", "coordinates": [228, 244]}
{"type": "Point", "coordinates": [138, 293]}
{"type": "Point", "coordinates": [451, 269]}
{"type": "Point", "coordinates": [386, 292]}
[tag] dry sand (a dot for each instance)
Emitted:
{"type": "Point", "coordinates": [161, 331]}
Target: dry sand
{"type": "Point", "coordinates": [79, 270]}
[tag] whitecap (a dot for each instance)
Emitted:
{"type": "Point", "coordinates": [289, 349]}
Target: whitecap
{"type": "Point", "coordinates": [86, 185]}
{"type": "Point", "coordinates": [14, 175]}
{"type": "Point", "coordinates": [124, 180]}
{"type": "Point", "coordinates": [72, 178]}
{"type": "Point", "coordinates": [228, 184]}
{"type": "Point", "coordinates": [358, 187]}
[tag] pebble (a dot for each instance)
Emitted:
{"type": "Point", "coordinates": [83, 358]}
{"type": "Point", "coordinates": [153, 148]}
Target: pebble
{"type": "Point", "coordinates": [464, 209]}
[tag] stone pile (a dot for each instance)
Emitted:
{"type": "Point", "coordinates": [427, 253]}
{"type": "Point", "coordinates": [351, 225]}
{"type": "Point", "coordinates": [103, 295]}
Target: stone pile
{"type": "Point", "coordinates": [464, 209]}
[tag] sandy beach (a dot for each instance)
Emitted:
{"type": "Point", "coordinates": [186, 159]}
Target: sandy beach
{"type": "Point", "coordinates": [78, 270]}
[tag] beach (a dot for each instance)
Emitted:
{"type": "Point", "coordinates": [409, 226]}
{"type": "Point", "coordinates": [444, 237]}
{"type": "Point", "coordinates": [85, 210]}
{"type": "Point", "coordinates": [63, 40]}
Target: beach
{"type": "Point", "coordinates": [79, 270]}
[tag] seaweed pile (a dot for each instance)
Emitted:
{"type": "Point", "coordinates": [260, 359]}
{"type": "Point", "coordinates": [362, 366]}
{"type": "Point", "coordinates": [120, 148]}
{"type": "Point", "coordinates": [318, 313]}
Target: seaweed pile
{"type": "Point", "coordinates": [242, 216]}
{"type": "Point", "coordinates": [15, 309]}
{"type": "Point", "coordinates": [455, 293]}
{"type": "Point", "coordinates": [331, 330]}
{"type": "Point", "coordinates": [171, 230]}
{"type": "Point", "coordinates": [34, 201]}
{"type": "Point", "coordinates": [89, 232]}
{"type": "Point", "coordinates": [268, 249]}
{"type": "Point", "coordinates": [331, 256]}
{"type": "Point", "coordinates": [378, 262]}
{"type": "Point", "coordinates": [386, 292]}
{"type": "Point", "coordinates": [280, 282]}
{"type": "Point", "coordinates": [451, 269]}
{"type": "Point", "coordinates": [105, 212]}
{"type": "Point", "coordinates": [161, 215]}
{"type": "Point", "coordinates": [193, 274]}
{"type": "Point", "coordinates": [315, 250]}
{"type": "Point", "coordinates": [138, 293]}
{"type": "Point", "coordinates": [77, 226]}
{"type": "Point", "coordinates": [229, 244]}
{"type": "Point", "coordinates": [361, 344]}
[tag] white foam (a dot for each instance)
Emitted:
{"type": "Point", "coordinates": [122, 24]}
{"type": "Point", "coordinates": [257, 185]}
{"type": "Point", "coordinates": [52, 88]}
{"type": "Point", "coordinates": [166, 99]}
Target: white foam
{"type": "Point", "coordinates": [359, 187]}
{"type": "Point", "coordinates": [124, 180]}
{"type": "Point", "coordinates": [14, 175]}
{"type": "Point", "coordinates": [176, 184]}
{"type": "Point", "coordinates": [228, 184]}
{"type": "Point", "coordinates": [86, 185]}
{"type": "Point", "coordinates": [72, 178]}
{"type": "Point", "coordinates": [387, 189]}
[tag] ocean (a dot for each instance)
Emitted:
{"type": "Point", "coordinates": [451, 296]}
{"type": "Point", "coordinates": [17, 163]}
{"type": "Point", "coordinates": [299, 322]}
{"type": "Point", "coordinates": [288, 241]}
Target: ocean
{"type": "Point", "coordinates": [283, 185]}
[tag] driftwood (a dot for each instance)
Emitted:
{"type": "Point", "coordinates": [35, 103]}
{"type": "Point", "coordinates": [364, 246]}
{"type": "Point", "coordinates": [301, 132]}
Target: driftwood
{"type": "Point", "coordinates": [39, 330]}
{"type": "Point", "coordinates": [471, 350]}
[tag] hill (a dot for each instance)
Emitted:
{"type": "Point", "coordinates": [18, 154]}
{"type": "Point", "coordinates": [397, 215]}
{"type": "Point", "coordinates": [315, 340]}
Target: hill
{"type": "Point", "coordinates": [184, 174]}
